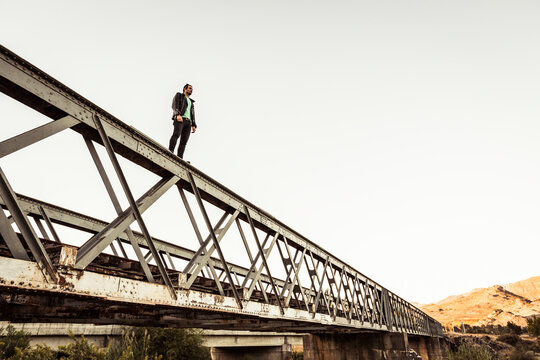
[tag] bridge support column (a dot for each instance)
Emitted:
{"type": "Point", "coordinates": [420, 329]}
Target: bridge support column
{"type": "Point", "coordinates": [429, 348]}
{"type": "Point", "coordinates": [420, 345]}
{"type": "Point", "coordinates": [368, 346]}
{"type": "Point", "coordinates": [253, 352]}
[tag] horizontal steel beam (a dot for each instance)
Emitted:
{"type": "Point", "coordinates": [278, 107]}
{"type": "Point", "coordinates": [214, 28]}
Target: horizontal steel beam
{"type": "Point", "coordinates": [26, 276]}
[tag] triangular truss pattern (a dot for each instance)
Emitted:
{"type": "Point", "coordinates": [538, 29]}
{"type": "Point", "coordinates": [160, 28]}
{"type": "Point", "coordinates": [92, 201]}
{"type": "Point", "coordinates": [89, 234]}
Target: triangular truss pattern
{"type": "Point", "coordinates": [316, 286]}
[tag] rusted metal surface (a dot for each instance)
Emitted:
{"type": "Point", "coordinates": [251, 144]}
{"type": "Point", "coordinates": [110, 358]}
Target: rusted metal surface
{"type": "Point", "coordinates": [68, 255]}
{"type": "Point", "coordinates": [319, 291]}
{"type": "Point", "coordinates": [20, 277]}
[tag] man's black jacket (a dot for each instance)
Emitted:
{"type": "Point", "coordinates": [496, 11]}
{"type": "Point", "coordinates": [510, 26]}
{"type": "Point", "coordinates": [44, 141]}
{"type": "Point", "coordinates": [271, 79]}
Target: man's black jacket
{"type": "Point", "coordinates": [179, 105]}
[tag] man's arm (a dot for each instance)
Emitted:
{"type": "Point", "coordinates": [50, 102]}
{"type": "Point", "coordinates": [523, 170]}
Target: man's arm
{"type": "Point", "coordinates": [193, 123]}
{"type": "Point", "coordinates": [176, 105]}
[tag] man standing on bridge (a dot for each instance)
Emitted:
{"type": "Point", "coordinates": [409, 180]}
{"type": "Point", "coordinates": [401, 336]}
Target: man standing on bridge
{"type": "Point", "coordinates": [183, 119]}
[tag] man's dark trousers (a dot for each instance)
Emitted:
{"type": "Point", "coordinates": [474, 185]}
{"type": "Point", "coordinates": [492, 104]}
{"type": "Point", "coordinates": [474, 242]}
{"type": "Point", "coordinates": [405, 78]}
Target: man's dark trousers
{"type": "Point", "coordinates": [181, 130]}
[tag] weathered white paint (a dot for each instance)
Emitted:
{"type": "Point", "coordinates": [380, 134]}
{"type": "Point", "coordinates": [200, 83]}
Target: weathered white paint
{"type": "Point", "coordinates": [26, 275]}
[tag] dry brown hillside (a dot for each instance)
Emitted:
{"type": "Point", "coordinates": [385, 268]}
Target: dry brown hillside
{"type": "Point", "coordinates": [529, 288]}
{"type": "Point", "coordinates": [494, 305]}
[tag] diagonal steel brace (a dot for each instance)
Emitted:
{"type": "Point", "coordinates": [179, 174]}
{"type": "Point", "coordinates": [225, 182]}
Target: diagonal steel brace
{"type": "Point", "coordinates": [118, 208]}
{"type": "Point", "coordinates": [29, 236]}
{"type": "Point", "coordinates": [214, 237]}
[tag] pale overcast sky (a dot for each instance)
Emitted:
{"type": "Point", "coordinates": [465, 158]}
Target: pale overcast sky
{"type": "Point", "coordinates": [402, 136]}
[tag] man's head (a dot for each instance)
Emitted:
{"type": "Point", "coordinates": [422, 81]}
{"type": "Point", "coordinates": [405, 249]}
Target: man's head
{"type": "Point", "coordinates": [188, 90]}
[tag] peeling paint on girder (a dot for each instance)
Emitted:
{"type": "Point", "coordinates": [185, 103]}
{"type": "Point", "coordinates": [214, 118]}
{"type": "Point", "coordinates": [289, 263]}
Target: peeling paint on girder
{"type": "Point", "coordinates": [25, 275]}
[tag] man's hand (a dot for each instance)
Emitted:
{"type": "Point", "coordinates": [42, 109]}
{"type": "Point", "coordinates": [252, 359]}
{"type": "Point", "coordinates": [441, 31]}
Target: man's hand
{"type": "Point", "coordinates": [179, 118]}
{"type": "Point", "coordinates": [193, 129]}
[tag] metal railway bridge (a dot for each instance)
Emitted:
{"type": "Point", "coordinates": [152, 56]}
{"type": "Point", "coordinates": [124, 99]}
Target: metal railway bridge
{"type": "Point", "coordinates": [119, 275]}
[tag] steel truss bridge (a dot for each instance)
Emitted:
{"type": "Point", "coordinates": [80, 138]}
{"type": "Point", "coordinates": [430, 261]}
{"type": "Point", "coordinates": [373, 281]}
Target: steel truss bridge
{"type": "Point", "coordinates": [43, 278]}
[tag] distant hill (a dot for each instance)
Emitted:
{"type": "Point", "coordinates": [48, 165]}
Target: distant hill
{"type": "Point", "coordinates": [529, 288]}
{"type": "Point", "coordinates": [495, 305]}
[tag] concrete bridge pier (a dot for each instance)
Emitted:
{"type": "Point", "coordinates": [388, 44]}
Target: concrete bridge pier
{"type": "Point", "coordinates": [238, 345]}
{"type": "Point", "coordinates": [370, 346]}
{"type": "Point", "coordinates": [428, 348]}
{"type": "Point", "coordinates": [254, 352]}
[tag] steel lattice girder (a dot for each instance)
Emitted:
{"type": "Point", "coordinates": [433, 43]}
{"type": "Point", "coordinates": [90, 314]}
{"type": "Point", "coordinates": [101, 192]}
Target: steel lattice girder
{"type": "Point", "coordinates": [38, 90]}
{"type": "Point", "coordinates": [69, 218]}
{"type": "Point", "coordinates": [134, 296]}
{"type": "Point", "coordinates": [92, 225]}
